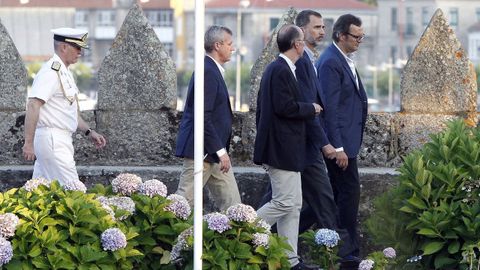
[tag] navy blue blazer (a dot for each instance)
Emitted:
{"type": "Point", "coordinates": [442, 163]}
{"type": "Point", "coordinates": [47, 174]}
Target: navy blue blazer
{"type": "Point", "coordinates": [345, 103]}
{"type": "Point", "coordinates": [217, 118]}
{"type": "Point", "coordinates": [310, 90]}
{"type": "Point", "coordinates": [281, 119]}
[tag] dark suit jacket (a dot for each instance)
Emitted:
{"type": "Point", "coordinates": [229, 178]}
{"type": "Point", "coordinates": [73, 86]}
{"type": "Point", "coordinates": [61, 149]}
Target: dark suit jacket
{"type": "Point", "coordinates": [310, 90]}
{"type": "Point", "coordinates": [217, 118]}
{"type": "Point", "coordinates": [281, 119]}
{"type": "Point", "coordinates": [345, 104]}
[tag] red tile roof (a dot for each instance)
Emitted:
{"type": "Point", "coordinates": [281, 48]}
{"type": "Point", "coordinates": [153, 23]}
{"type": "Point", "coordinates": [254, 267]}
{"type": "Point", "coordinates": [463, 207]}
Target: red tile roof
{"type": "Point", "coordinates": [313, 4]}
{"type": "Point", "coordinates": [80, 3]}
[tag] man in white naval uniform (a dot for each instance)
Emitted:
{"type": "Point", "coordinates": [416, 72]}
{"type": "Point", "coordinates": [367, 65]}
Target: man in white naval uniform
{"type": "Point", "coordinates": [52, 112]}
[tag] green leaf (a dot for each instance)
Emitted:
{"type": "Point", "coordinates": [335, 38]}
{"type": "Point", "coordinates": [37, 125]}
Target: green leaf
{"type": "Point", "coordinates": [432, 247]}
{"type": "Point", "coordinates": [427, 232]}
{"type": "Point", "coordinates": [417, 202]}
{"type": "Point", "coordinates": [454, 247]}
{"type": "Point", "coordinates": [35, 251]}
{"type": "Point", "coordinates": [444, 262]}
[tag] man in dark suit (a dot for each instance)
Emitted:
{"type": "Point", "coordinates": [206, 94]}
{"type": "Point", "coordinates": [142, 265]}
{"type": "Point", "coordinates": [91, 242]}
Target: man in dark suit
{"type": "Point", "coordinates": [217, 168]}
{"type": "Point", "coordinates": [280, 142]}
{"type": "Point", "coordinates": [316, 188]}
{"type": "Point", "coordinates": [345, 116]}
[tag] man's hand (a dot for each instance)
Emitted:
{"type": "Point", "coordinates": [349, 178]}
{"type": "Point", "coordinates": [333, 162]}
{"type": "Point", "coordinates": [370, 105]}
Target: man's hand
{"type": "Point", "coordinates": [28, 152]}
{"type": "Point", "coordinates": [329, 151]}
{"type": "Point", "coordinates": [342, 160]}
{"type": "Point", "coordinates": [225, 163]}
{"type": "Point", "coordinates": [97, 139]}
{"type": "Point", "coordinates": [318, 108]}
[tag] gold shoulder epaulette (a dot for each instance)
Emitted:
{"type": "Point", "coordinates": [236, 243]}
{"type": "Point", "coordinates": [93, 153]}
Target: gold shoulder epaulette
{"type": "Point", "coordinates": [56, 65]}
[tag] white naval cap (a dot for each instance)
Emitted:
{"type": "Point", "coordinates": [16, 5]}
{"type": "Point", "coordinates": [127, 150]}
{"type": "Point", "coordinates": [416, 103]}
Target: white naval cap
{"type": "Point", "coordinates": [73, 36]}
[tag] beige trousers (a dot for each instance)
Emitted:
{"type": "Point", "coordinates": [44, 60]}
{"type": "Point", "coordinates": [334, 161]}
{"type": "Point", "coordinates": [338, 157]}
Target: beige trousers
{"type": "Point", "coordinates": [284, 208]}
{"type": "Point", "coordinates": [223, 186]}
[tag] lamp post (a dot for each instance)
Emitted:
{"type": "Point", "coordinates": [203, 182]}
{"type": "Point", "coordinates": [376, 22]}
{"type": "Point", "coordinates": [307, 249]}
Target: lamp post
{"type": "Point", "coordinates": [238, 90]}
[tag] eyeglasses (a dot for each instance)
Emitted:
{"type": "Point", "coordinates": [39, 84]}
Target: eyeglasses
{"type": "Point", "coordinates": [357, 38]}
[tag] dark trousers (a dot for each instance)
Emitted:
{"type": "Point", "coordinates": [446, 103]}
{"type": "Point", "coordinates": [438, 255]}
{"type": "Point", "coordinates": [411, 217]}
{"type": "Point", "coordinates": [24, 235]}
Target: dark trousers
{"type": "Point", "coordinates": [346, 189]}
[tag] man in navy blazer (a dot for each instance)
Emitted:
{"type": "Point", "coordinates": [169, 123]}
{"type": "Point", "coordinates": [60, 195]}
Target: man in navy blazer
{"type": "Point", "coordinates": [280, 142]}
{"type": "Point", "coordinates": [217, 168]}
{"type": "Point", "coordinates": [345, 116]}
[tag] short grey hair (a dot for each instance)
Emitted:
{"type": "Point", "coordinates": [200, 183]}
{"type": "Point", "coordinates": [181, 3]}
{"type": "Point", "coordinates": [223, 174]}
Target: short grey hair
{"type": "Point", "coordinates": [215, 34]}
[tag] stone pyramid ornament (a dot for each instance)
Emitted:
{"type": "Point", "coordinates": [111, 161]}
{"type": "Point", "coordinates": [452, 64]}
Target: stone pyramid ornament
{"type": "Point", "coordinates": [137, 73]}
{"type": "Point", "coordinates": [439, 78]}
{"type": "Point", "coordinates": [13, 75]}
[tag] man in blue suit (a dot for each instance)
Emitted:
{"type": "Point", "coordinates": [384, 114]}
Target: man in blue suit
{"type": "Point", "coordinates": [217, 168]}
{"type": "Point", "coordinates": [280, 143]}
{"type": "Point", "coordinates": [345, 116]}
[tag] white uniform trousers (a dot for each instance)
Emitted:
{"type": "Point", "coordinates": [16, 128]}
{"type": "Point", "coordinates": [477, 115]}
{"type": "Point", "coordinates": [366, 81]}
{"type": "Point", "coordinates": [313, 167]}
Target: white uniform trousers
{"type": "Point", "coordinates": [54, 155]}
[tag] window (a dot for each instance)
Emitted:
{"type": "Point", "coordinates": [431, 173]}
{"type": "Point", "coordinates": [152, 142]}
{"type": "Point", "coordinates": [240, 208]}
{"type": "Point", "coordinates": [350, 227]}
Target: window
{"type": "Point", "coordinates": [409, 50]}
{"type": "Point", "coordinates": [477, 12]}
{"type": "Point", "coordinates": [81, 18]}
{"type": "Point", "coordinates": [454, 17]}
{"type": "Point", "coordinates": [394, 19]}
{"type": "Point", "coordinates": [219, 20]}
{"type": "Point", "coordinates": [106, 18]}
{"type": "Point", "coordinates": [273, 23]}
{"type": "Point", "coordinates": [410, 25]}
{"type": "Point", "coordinates": [169, 49]}
{"type": "Point", "coordinates": [159, 18]}
{"type": "Point", "coordinates": [393, 53]}
{"type": "Point", "coordinates": [425, 16]}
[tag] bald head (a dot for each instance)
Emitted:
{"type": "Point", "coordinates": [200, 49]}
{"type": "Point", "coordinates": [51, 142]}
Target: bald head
{"type": "Point", "coordinates": [287, 35]}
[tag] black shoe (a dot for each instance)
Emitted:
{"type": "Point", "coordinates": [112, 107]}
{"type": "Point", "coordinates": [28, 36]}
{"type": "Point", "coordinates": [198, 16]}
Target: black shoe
{"type": "Point", "coordinates": [350, 262]}
{"type": "Point", "coordinates": [303, 266]}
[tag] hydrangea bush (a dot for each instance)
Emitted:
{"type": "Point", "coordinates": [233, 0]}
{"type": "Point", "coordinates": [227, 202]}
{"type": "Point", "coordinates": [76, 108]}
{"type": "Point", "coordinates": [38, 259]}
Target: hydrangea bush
{"type": "Point", "coordinates": [55, 228]}
{"type": "Point", "coordinates": [323, 247]}
{"type": "Point", "coordinates": [435, 209]}
{"type": "Point", "coordinates": [379, 260]}
{"type": "Point", "coordinates": [236, 239]}
{"type": "Point", "coordinates": [157, 219]}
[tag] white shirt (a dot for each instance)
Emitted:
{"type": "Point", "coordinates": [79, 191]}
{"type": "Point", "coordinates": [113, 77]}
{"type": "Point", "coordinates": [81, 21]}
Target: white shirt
{"type": "Point", "coordinates": [350, 63]}
{"type": "Point", "coordinates": [290, 64]}
{"type": "Point", "coordinates": [58, 111]}
{"type": "Point", "coordinates": [222, 70]}
{"type": "Point", "coordinates": [311, 57]}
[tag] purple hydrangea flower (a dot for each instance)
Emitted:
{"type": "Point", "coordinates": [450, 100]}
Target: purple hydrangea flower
{"type": "Point", "coordinates": [366, 264]}
{"type": "Point", "coordinates": [8, 223]}
{"type": "Point", "coordinates": [217, 222]}
{"type": "Point", "coordinates": [242, 213]}
{"type": "Point", "coordinates": [6, 251]}
{"type": "Point", "coordinates": [261, 239]}
{"type": "Point", "coordinates": [327, 237]}
{"type": "Point", "coordinates": [75, 185]}
{"type": "Point", "coordinates": [153, 187]}
{"type": "Point", "coordinates": [390, 253]}
{"type": "Point", "coordinates": [126, 184]}
{"type": "Point", "coordinates": [124, 203]}
{"type": "Point", "coordinates": [179, 206]}
{"type": "Point", "coordinates": [32, 184]}
{"type": "Point", "coordinates": [182, 244]}
{"type": "Point", "coordinates": [113, 239]}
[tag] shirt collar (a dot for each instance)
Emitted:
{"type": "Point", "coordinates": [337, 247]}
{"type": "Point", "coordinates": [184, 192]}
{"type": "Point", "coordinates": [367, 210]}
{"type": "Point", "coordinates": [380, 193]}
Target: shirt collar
{"type": "Point", "coordinates": [310, 54]}
{"type": "Point", "coordinates": [289, 62]}
{"type": "Point", "coordinates": [222, 70]}
{"type": "Point", "coordinates": [348, 57]}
